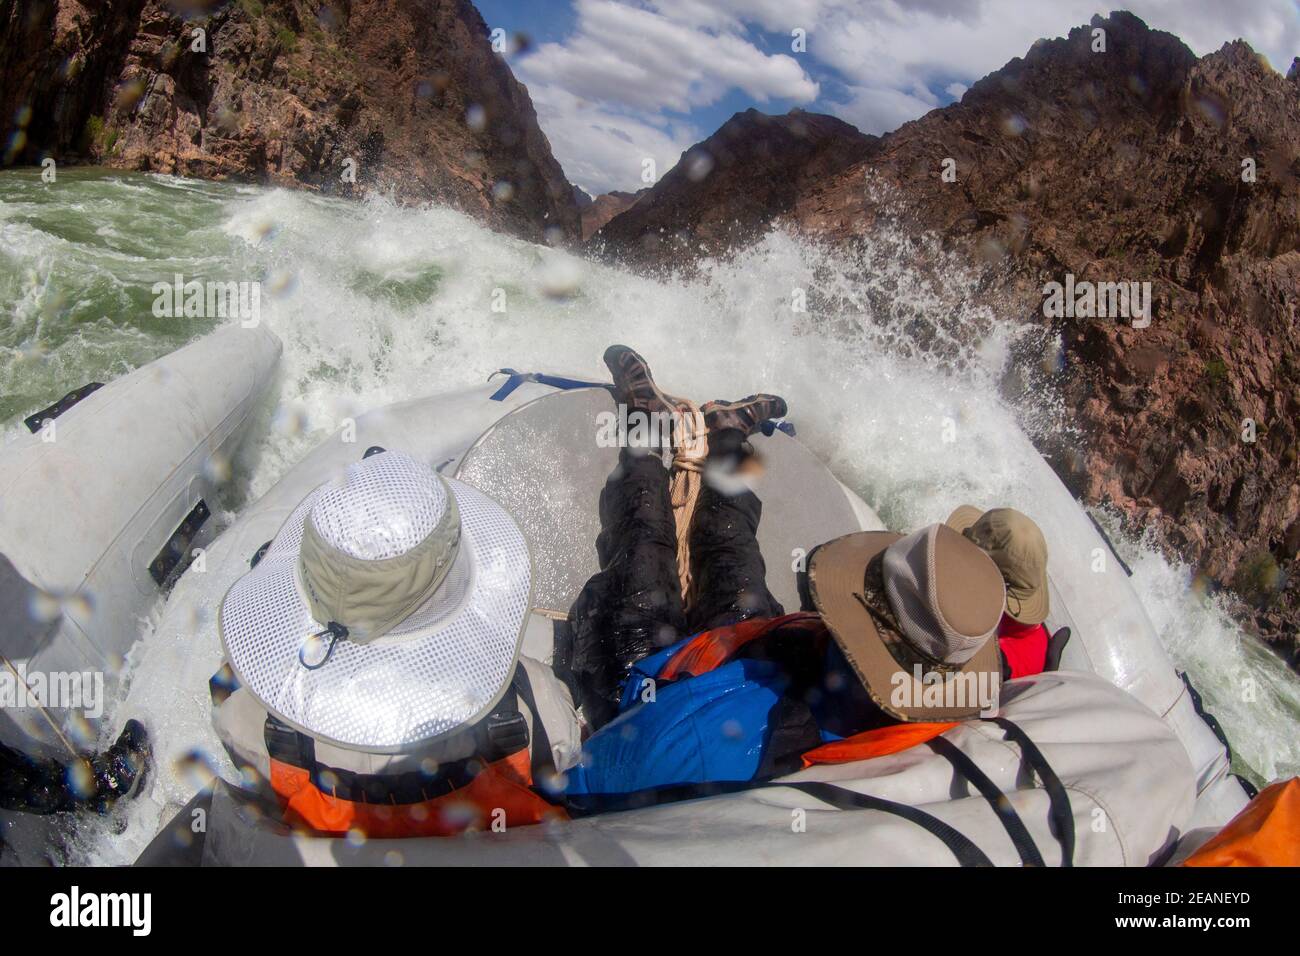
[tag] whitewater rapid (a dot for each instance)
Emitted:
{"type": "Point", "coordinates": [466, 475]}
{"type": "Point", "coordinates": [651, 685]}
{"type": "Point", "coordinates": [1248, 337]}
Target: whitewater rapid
{"type": "Point", "coordinates": [915, 396]}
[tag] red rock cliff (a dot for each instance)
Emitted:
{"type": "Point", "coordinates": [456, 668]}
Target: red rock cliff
{"type": "Point", "coordinates": [402, 95]}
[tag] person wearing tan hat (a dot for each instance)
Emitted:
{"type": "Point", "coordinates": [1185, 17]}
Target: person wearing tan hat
{"type": "Point", "coordinates": [1018, 548]}
{"type": "Point", "coordinates": [914, 616]}
{"type": "Point", "coordinates": [731, 688]}
{"type": "Point", "coordinates": [903, 632]}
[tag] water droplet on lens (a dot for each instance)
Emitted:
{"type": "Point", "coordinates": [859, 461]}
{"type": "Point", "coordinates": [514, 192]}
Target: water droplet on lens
{"type": "Point", "coordinates": [217, 468]}
{"type": "Point", "coordinates": [698, 165]}
{"type": "Point", "coordinates": [44, 607]}
{"type": "Point", "coordinates": [289, 421]}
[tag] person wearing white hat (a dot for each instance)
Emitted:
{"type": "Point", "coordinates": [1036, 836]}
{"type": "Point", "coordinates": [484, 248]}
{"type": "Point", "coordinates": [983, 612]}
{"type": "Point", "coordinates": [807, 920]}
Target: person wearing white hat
{"type": "Point", "coordinates": [375, 648]}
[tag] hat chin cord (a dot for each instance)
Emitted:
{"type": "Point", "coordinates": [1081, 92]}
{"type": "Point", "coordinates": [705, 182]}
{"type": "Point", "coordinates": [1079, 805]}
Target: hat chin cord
{"type": "Point", "coordinates": [336, 631]}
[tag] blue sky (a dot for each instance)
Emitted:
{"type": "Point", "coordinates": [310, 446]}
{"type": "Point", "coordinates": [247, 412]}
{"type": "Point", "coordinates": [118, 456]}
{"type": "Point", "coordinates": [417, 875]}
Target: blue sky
{"type": "Point", "coordinates": [619, 82]}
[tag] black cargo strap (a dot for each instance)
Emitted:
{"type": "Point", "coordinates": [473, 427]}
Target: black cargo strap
{"type": "Point", "coordinates": [1055, 648]}
{"type": "Point", "coordinates": [842, 798]}
{"type": "Point", "coordinates": [289, 746]}
{"type": "Point", "coordinates": [1062, 815]}
{"type": "Point", "coordinates": [502, 733]}
{"type": "Point", "coordinates": [543, 761]}
{"type": "Point", "coordinates": [1216, 728]}
{"type": "Point", "coordinates": [1006, 813]}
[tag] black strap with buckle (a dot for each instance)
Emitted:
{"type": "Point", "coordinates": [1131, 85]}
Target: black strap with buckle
{"type": "Point", "coordinates": [502, 733]}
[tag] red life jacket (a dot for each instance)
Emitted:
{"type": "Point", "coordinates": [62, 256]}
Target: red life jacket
{"type": "Point", "coordinates": [712, 649]}
{"type": "Point", "coordinates": [1023, 645]}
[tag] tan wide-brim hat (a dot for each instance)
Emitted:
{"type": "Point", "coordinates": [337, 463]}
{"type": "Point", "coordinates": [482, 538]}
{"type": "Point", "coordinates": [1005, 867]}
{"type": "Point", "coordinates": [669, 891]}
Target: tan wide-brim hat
{"type": "Point", "coordinates": [873, 639]}
{"type": "Point", "coordinates": [962, 517]}
{"type": "Point", "coordinates": [1017, 546]}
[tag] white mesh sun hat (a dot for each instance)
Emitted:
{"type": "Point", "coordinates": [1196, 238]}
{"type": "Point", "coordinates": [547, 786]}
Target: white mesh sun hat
{"type": "Point", "coordinates": [388, 610]}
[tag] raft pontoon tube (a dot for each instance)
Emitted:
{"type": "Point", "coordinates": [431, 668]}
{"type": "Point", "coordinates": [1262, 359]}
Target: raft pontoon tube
{"type": "Point", "coordinates": [1139, 766]}
{"type": "Point", "coordinates": [102, 499]}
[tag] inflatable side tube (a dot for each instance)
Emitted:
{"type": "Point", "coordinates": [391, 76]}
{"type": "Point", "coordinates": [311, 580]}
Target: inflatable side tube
{"type": "Point", "coordinates": [1116, 760]}
{"type": "Point", "coordinates": [90, 501]}
{"type": "Point", "coordinates": [1112, 635]}
{"type": "Point", "coordinates": [435, 430]}
{"type": "Point", "coordinates": [169, 683]}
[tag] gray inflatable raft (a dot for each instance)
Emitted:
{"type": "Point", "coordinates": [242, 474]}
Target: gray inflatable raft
{"type": "Point", "coordinates": [1120, 729]}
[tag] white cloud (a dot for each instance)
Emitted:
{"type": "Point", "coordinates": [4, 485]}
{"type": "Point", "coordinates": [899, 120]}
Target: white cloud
{"type": "Point", "coordinates": [602, 149]}
{"type": "Point", "coordinates": [776, 16]}
{"type": "Point", "coordinates": [879, 109]}
{"type": "Point", "coordinates": [623, 86]}
{"type": "Point", "coordinates": [635, 58]}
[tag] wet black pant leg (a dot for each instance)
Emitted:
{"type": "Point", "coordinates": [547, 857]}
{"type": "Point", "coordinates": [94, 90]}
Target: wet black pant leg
{"type": "Point", "coordinates": [33, 786]}
{"type": "Point", "coordinates": [730, 576]}
{"type": "Point", "coordinates": [633, 606]}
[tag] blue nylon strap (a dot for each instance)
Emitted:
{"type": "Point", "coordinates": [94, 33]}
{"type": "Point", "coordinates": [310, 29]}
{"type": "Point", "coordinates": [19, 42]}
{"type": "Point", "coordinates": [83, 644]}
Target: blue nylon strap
{"type": "Point", "coordinates": [518, 378]}
{"type": "Point", "coordinates": [770, 426]}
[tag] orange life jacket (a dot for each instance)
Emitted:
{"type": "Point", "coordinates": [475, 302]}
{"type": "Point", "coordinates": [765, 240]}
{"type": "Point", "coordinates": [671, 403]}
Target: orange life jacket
{"type": "Point", "coordinates": [501, 793]}
{"type": "Point", "coordinates": [499, 796]}
{"type": "Point", "coordinates": [1266, 833]}
{"type": "Point", "coordinates": [473, 794]}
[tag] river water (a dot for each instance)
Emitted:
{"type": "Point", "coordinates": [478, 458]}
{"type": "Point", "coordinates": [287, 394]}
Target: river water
{"type": "Point", "coordinates": [914, 395]}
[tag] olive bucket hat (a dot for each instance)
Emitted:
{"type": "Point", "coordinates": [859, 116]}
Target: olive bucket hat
{"type": "Point", "coordinates": [1017, 546]}
{"type": "Point", "coordinates": [388, 610]}
{"type": "Point", "coordinates": [916, 618]}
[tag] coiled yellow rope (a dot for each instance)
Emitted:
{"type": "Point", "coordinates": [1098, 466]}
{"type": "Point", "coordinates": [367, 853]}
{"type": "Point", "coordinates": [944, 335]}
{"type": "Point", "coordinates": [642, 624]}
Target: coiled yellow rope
{"type": "Point", "coordinates": [690, 448]}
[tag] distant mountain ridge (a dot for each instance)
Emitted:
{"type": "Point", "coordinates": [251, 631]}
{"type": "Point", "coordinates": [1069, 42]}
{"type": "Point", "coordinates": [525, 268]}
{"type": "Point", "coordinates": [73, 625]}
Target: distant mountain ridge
{"type": "Point", "coordinates": [605, 207]}
{"type": "Point", "coordinates": [728, 187]}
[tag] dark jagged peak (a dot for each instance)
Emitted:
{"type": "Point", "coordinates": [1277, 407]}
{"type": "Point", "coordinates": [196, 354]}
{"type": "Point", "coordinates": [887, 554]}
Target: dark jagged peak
{"type": "Point", "coordinates": [750, 132]}
{"type": "Point", "coordinates": [605, 207]}
{"type": "Point", "coordinates": [1242, 54]}
{"type": "Point", "coordinates": [1126, 61]}
{"type": "Point", "coordinates": [730, 186]}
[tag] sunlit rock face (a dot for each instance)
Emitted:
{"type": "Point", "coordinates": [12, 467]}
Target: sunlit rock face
{"type": "Point", "coordinates": [403, 96]}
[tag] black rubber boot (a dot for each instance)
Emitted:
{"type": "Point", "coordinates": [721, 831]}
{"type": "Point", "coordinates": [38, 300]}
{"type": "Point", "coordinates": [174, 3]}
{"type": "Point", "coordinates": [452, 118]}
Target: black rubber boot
{"type": "Point", "coordinates": [29, 785]}
{"type": "Point", "coordinates": [36, 786]}
{"type": "Point", "coordinates": [121, 768]}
